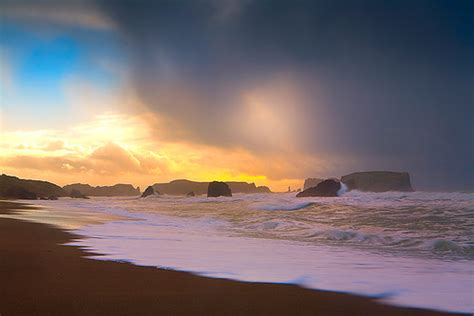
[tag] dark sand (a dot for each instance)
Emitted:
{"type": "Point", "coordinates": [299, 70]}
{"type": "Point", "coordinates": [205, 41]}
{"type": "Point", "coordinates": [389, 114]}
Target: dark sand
{"type": "Point", "coordinates": [38, 275]}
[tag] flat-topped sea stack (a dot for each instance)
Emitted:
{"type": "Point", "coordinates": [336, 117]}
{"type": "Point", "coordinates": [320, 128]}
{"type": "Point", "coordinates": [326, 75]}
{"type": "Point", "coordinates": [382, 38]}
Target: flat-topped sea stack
{"type": "Point", "coordinates": [16, 188]}
{"type": "Point", "coordinates": [311, 182]}
{"type": "Point", "coordinates": [328, 187]}
{"type": "Point", "coordinates": [114, 190]}
{"type": "Point", "coordinates": [217, 188]}
{"type": "Point", "coordinates": [183, 187]}
{"type": "Point", "coordinates": [378, 181]}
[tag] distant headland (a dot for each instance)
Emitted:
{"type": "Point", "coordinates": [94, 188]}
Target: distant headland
{"type": "Point", "coordinates": [371, 181]}
{"type": "Point", "coordinates": [183, 187]}
{"type": "Point", "coordinates": [15, 188]}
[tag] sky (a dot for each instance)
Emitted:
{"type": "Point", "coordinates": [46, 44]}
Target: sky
{"type": "Point", "coordinates": [270, 92]}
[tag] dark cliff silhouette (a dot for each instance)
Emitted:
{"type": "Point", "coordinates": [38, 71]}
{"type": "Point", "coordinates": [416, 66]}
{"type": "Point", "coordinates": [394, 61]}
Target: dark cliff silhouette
{"type": "Point", "coordinates": [16, 188]}
{"type": "Point", "coordinates": [114, 190]}
{"type": "Point", "coordinates": [378, 181]}
{"type": "Point", "coordinates": [183, 187]}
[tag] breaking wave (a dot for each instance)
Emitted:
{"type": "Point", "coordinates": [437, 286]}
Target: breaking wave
{"type": "Point", "coordinates": [366, 243]}
{"type": "Point", "coordinates": [416, 223]}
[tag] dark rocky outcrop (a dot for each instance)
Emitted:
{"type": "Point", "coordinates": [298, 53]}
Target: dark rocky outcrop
{"type": "Point", "coordinates": [378, 181]}
{"type": "Point", "coordinates": [114, 190]}
{"type": "Point", "coordinates": [76, 194]}
{"type": "Point", "coordinates": [328, 187]}
{"type": "Point", "coordinates": [182, 187]}
{"type": "Point", "coordinates": [190, 194]}
{"type": "Point", "coordinates": [217, 188]}
{"type": "Point", "coordinates": [17, 192]}
{"type": "Point", "coordinates": [311, 182]}
{"type": "Point", "coordinates": [40, 188]}
{"type": "Point", "coordinates": [148, 191]}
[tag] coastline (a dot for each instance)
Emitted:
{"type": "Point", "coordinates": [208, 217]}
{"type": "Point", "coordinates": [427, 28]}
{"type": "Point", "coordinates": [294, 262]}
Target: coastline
{"type": "Point", "coordinates": [40, 275]}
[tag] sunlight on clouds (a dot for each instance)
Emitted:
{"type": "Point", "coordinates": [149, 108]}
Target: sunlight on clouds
{"type": "Point", "coordinates": [115, 148]}
{"type": "Point", "coordinates": [271, 113]}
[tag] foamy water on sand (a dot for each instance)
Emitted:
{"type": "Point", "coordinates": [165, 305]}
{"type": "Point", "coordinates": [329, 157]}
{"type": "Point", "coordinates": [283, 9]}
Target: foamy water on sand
{"type": "Point", "coordinates": [413, 249]}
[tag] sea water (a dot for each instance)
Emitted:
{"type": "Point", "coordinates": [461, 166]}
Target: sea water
{"type": "Point", "coordinates": [412, 249]}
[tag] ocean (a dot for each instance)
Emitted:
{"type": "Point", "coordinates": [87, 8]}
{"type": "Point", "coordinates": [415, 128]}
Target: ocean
{"type": "Point", "coordinates": [412, 249]}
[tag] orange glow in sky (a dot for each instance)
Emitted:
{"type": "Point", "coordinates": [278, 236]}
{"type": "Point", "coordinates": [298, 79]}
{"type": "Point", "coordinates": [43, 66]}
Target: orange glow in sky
{"type": "Point", "coordinates": [116, 148]}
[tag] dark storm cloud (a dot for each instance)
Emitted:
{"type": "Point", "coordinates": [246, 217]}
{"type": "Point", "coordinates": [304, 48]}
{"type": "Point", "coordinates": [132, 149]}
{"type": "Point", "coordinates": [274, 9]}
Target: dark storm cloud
{"type": "Point", "coordinates": [387, 84]}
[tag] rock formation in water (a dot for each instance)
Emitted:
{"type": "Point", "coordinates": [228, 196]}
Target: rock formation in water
{"type": "Point", "coordinates": [183, 187]}
{"type": "Point", "coordinates": [378, 181]}
{"type": "Point", "coordinates": [148, 191]}
{"type": "Point", "coordinates": [217, 188]}
{"type": "Point", "coordinates": [328, 187]}
{"type": "Point", "coordinates": [114, 190]}
{"type": "Point", "coordinates": [39, 188]}
{"type": "Point", "coordinates": [311, 182]}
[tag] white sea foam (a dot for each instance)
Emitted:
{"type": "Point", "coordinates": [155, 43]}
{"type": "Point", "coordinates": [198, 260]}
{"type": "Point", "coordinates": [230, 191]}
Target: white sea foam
{"type": "Point", "coordinates": [282, 206]}
{"type": "Point", "coordinates": [343, 189]}
{"type": "Point", "coordinates": [413, 249]}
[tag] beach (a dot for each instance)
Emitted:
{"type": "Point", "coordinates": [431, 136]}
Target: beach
{"type": "Point", "coordinates": [40, 275]}
{"type": "Point", "coordinates": [236, 157]}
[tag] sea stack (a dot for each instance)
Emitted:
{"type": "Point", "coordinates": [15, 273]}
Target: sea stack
{"type": "Point", "coordinates": [378, 181]}
{"type": "Point", "coordinates": [217, 188]}
{"type": "Point", "coordinates": [148, 191]}
{"type": "Point", "coordinates": [328, 187]}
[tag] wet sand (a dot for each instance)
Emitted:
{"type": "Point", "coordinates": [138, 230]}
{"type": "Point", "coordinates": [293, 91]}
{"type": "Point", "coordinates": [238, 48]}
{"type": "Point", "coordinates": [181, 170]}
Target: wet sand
{"type": "Point", "coordinates": [39, 275]}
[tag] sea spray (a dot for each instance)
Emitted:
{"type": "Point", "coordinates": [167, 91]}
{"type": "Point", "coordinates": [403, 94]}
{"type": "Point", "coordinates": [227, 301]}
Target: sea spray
{"type": "Point", "coordinates": [343, 189]}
